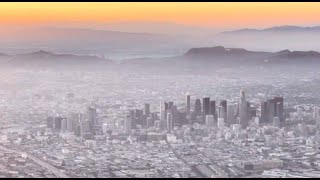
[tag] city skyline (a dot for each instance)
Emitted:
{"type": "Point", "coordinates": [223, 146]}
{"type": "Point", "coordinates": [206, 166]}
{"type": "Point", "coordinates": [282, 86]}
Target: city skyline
{"type": "Point", "coordinates": [159, 90]}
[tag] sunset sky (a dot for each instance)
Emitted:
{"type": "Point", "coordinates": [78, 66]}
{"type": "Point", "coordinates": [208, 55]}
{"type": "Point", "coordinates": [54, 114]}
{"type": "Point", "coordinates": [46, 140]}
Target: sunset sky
{"type": "Point", "coordinates": [217, 15]}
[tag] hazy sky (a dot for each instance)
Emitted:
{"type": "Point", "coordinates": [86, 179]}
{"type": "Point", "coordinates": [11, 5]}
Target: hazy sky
{"type": "Point", "coordinates": [209, 14]}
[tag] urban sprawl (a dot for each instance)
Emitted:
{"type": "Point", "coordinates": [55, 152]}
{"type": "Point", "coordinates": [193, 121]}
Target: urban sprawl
{"type": "Point", "coordinates": [195, 138]}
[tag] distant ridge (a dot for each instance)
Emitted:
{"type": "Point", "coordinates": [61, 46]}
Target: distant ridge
{"type": "Point", "coordinates": [46, 59]}
{"type": "Point", "coordinates": [285, 28]}
{"type": "Point", "coordinates": [2, 54]}
{"type": "Point", "coordinates": [220, 53]}
{"type": "Point", "coordinates": [218, 50]}
{"type": "Point", "coordinates": [297, 54]}
{"type": "Point", "coordinates": [216, 54]}
{"type": "Point", "coordinates": [48, 55]}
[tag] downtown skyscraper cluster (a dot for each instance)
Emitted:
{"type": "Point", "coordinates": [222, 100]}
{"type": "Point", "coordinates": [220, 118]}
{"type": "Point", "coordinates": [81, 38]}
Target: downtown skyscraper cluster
{"type": "Point", "coordinates": [209, 112]}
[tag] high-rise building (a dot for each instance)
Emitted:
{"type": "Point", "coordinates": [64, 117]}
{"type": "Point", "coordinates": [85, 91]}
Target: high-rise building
{"type": "Point", "coordinates": [213, 108]}
{"type": "Point", "coordinates": [133, 122]}
{"type": "Point", "coordinates": [316, 114]}
{"type": "Point", "coordinates": [149, 122]}
{"type": "Point", "coordinates": [223, 103]}
{"type": "Point", "coordinates": [169, 122]}
{"type": "Point", "coordinates": [85, 129]}
{"type": "Point", "coordinates": [77, 123]}
{"type": "Point", "coordinates": [221, 112]}
{"type": "Point", "coordinates": [138, 117]}
{"type": "Point", "coordinates": [271, 110]}
{"type": "Point", "coordinates": [279, 109]}
{"type": "Point", "coordinates": [264, 112]}
{"type": "Point", "coordinates": [197, 107]}
{"type": "Point", "coordinates": [57, 123]}
{"type": "Point", "coordinates": [64, 125]}
{"type": "Point", "coordinates": [157, 124]}
{"type": "Point", "coordinates": [50, 122]}
{"type": "Point", "coordinates": [70, 122]}
{"type": "Point", "coordinates": [166, 106]}
{"type": "Point", "coordinates": [220, 122]}
{"type": "Point", "coordinates": [170, 105]}
{"type": "Point", "coordinates": [127, 125]}
{"type": "Point", "coordinates": [188, 105]}
{"type": "Point", "coordinates": [300, 113]}
{"type": "Point", "coordinates": [257, 121]}
{"type": "Point", "coordinates": [243, 110]}
{"type": "Point", "coordinates": [146, 109]}
{"type": "Point", "coordinates": [231, 117]}
{"type": "Point", "coordinates": [163, 118]}
{"type": "Point", "coordinates": [209, 120]}
{"type": "Point", "coordinates": [92, 116]}
{"type": "Point", "coordinates": [252, 112]}
{"type": "Point", "coordinates": [248, 109]}
{"type": "Point", "coordinates": [276, 122]}
{"type": "Point", "coordinates": [205, 106]}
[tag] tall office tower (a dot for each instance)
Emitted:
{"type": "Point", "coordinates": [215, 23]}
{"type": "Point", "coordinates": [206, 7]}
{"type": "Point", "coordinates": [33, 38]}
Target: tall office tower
{"type": "Point", "coordinates": [154, 116]}
{"type": "Point", "coordinates": [77, 130]}
{"type": "Point", "coordinates": [188, 105]}
{"type": "Point", "coordinates": [50, 122]}
{"type": "Point", "coordinates": [221, 112]}
{"type": "Point", "coordinates": [316, 114]}
{"type": "Point", "coordinates": [170, 105]}
{"type": "Point", "coordinates": [133, 122]}
{"type": "Point", "coordinates": [169, 122]}
{"type": "Point", "coordinates": [146, 109]}
{"type": "Point", "coordinates": [92, 116]}
{"type": "Point", "coordinates": [231, 118]}
{"type": "Point", "coordinates": [243, 110]}
{"type": "Point", "coordinates": [157, 124]}
{"type": "Point", "coordinates": [271, 110]}
{"type": "Point", "coordinates": [206, 106]}
{"type": "Point", "coordinates": [76, 119]}
{"type": "Point", "coordinates": [64, 125]}
{"type": "Point", "coordinates": [166, 106]}
{"type": "Point", "coordinates": [300, 113]}
{"type": "Point", "coordinates": [57, 123]}
{"type": "Point", "coordinates": [127, 125]}
{"type": "Point", "coordinates": [220, 122]}
{"type": "Point", "coordinates": [85, 129]}
{"type": "Point", "coordinates": [223, 103]}
{"type": "Point", "coordinates": [197, 107]}
{"type": "Point", "coordinates": [79, 118]}
{"type": "Point", "coordinates": [70, 122]}
{"type": "Point", "coordinates": [264, 112]}
{"type": "Point", "coordinates": [209, 120]}
{"type": "Point", "coordinates": [163, 118]}
{"type": "Point", "coordinates": [238, 120]}
{"type": "Point", "coordinates": [138, 113]}
{"type": "Point", "coordinates": [175, 114]}
{"type": "Point", "coordinates": [149, 122]}
{"type": "Point", "coordinates": [248, 110]}
{"type": "Point", "coordinates": [253, 112]}
{"type": "Point", "coordinates": [213, 108]}
{"type": "Point", "coordinates": [257, 121]}
{"type": "Point", "coordinates": [279, 109]}
{"type": "Point", "coordinates": [276, 122]}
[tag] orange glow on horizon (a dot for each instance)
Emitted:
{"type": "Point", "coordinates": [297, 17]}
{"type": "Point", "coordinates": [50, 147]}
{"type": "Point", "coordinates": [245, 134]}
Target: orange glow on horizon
{"type": "Point", "coordinates": [212, 14]}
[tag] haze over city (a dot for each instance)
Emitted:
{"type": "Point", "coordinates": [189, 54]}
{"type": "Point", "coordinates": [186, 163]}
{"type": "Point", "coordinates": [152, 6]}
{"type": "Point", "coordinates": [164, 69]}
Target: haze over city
{"type": "Point", "coordinates": [159, 89]}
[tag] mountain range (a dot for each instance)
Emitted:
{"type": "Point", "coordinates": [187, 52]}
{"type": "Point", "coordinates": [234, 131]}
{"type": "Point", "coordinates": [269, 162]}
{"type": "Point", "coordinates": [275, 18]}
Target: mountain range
{"type": "Point", "coordinates": [217, 54]}
{"type": "Point", "coordinates": [43, 58]}
{"type": "Point", "coordinates": [286, 29]}
{"type": "Point", "coordinates": [297, 38]}
{"type": "Point", "coordinates": [220, 52]}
